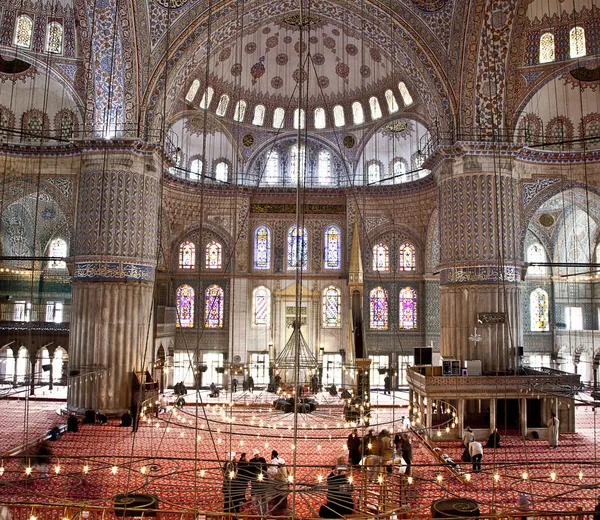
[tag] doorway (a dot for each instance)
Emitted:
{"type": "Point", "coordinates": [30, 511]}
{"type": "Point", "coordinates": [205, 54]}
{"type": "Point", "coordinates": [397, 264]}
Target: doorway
{"type": "Point", "coordinates": [508, 415]}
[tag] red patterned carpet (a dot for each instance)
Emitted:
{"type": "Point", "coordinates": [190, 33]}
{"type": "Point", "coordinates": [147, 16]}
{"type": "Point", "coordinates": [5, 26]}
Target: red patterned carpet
{"type": "Point", "coordinates": [179, 457]}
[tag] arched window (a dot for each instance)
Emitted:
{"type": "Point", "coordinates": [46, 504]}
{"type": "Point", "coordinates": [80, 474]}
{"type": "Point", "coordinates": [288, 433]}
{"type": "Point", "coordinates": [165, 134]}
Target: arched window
{"type": "Point", "coordinates": [23, 31]}
{"type": "Point", "coordinates": [222, 171]}
{"type": "Point", "coordinates": [538, 306]}
{"type": "Point", "coordinates": [333, 248]}
{"type": "Point", "coordinates": [399, 171]}
{"type": "Point", "coordinates": [187, 255]}
{"type": "Point", "coordinates": [378, 306]}
{"type": "Point", "coordinates": [338, 115]}
{"type": "Point", "coordinates": [577, 42]}
{"type": "Point", "coordinates": [262, 248]}
{"type": "Point", "coordinates": [272, 168]}
{"type": "Point", "coordinates": [332, 307]}
{"type": "Point", "coordinates": [214, 255]}
{"type": "Point", "coordinates": [297, 248]}
{"type": "Point", "coordinates": [214, 300]}
{"type": "Point", "coordinates": [58, 248]}
{"type": "Point", "coordinates": [240, 111]}
{"type": "Point", "coordinates": [391, 101]}
{"type": "Point", "coordinates": [193, 90]}
{"type": "Point", "coordinates": [536, 253]}
{"type": "Point", "coordinates": [222, 106]}
{"type": "Point", "coordinates": [407, 257]}
{"type": "Point", "coordinates": [259, 115]}
{"type": "Point", "coordinates": [299, 119]}
{"type": "Point", "coordinates": [320, 120]}
{"type": "Point", "coordinates": [381, 257]}
{"type": "Point", "coordinates": [196, 169]}
{"type": "Point", "coordinates": [547, 48]}
{"type": "Point", "coordinates": [54, 38]}
{"type": "Point", "coordinates": [207, 97]}
{"type": "Point", "coordinates": [324, 167]}
{"type": "Point", "coordinates": [373, 173]}
{"type": "Point", "coordinates": [357, 113]}
{"type": "Point", "coordinates": [278, 118]}
{"type": "Point", "coordinates": [185, 306]}
{"type": "Point", "coordinates": [408, 308]}
{"type": "Point", "coordinates": [297, 164]}
{"type": "Point", "coordinates": [261, 303]}
{"type": "Point", "coordinates": [375, 108]}
{"type": "Point", "coordinates": [406, 97]}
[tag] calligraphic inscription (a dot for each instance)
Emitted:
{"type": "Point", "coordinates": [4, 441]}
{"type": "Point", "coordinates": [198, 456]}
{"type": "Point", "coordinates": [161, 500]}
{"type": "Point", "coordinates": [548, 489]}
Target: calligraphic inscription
{"type": "Point", "coordinates": [491, 317]}
{"type": "Point", "coordinates": [115, 271]}
{"type": "Point", "coordinates": [480, 274]}
{"type": "Point", "coordinates": [309, 209]}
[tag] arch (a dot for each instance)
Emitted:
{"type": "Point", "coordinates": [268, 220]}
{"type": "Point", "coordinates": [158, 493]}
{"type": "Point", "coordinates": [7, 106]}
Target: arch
{"type": "Point", "coordinates": [214, 300]}
{"type": "Point", "coordinates": [324, 168]}
{"type": "Point", "coordinates": [392, 104]}
{"type": "Point", "coordinates": [536, 253]}
{"type": "Point", "coordinates": [332, 307]}
{"type": "Point", "coordinates": [7, 366]}
{"type": "Point", "coordinates": [374, 172]}
{"type": "Point", "coordinates": [577, 42]}
{"type": "Point", "coordinates": [320, 118]}
{"type": "Point", "coordinates": [222, 106]}
{"type": "Point", "coordinates": [333, 247]}
{"type": "Point", "coordinates": [358, 115]}
{"type": "Point", "coordinates": [240, 111]}
{"type": "Point", "coordinates": [299, 119]}
{"type": "Point", "coordinates": [378, 309]}
{"type": "Point", "coordinates": [547, 52]}
{"type": "Point", "coordinates": [187, 255]}
{"type": "Point", "coordinates": [405, 94]}
{"type": "Point", "coordinates": [408, 308]}
{"type": "Point", "coordinates": [207, 98]}
{"type": "Point", "coordinates": [23, 368]}
{"type": "Point", "coordinates": [538, 309]}
{"type": "Point", "coordinates": [261, 306]}
{"type": "Point", "coordinates": [262, 248]}
{"type": "Point", "coordinates": [193, 90]}
{"type": "Point", "coordinates": [222, 171]}
{"type": "Point", "coordinates": [58, 248]}
{"type": "Point", "coordinates": [259, 115]}
{"type": "Point", "coordinates": [338, 116]}
{"type": "Point", "coordinates": [196, 165]}
{"type": "Point", "coordinates": [278, 118]}
{"type": "Point", "coordinates": [185, 306]}
{"type": "Point", "coordinates": [381, 257]}
{"type": "Point", "coordinates": [214, 255]}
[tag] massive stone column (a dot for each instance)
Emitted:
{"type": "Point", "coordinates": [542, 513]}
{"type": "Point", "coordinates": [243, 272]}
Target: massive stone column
{"type": "Point", "coordinates": [113, 278]}
{"type": "Point", "coordinates": [479, 270]}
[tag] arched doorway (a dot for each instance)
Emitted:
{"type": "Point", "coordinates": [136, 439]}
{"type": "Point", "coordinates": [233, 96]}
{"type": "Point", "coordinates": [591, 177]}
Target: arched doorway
{"type": "Point", "coordinates": [7, 366]}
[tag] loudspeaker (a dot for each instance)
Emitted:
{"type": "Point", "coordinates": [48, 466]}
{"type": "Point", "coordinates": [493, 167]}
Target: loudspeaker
{"type": "Point", "coordinates": [46, 368]}
{"type": "Point", "coordinates": [520, 351]}
{"type": "Point", "coordinates": [423, 356]}
{"type": "Point", "coordinates": [135, 505]}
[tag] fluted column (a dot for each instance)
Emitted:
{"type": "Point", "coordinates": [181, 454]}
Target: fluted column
{"type": "Point", "coordinates": [113, 279]}
{"type": "Point", "coordinates": [479, 271]}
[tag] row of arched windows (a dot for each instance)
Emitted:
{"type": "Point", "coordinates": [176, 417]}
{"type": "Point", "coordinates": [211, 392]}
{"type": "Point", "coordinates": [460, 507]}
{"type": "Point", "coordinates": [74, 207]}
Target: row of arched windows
{"type": "Point", "coordinates": [272, 173]}
{"type": "Point", "coordinates": [576, 45]}
{"type": "Point", "coordinates": [379, 309]}
{"type": "Point", "coordinates": [299, 115]}
{"type": "Point", "coordinates": [24, 34]}
{"type": "Point", "coordinates": [213, 255]}
{"type": "Point", "coordinates": [407, 258]}
{"type": "Point", "coordinates": [214, 303]}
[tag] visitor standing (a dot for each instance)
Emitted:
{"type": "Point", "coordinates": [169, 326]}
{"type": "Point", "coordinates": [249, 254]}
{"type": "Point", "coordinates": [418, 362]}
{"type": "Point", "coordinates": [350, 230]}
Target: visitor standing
{"type": "Point", "coordinates": [258, 466]}
{"type": "Point", "coordinates": [553, 426]}
{"type": "Point", "coordinates": [476, 452]}
{"type": "Point", "coordinates": [406, 452]}
{"type": "Point", "coordinates": [354, 444]}
{"type": "Point", "coordinates": [468, 437]}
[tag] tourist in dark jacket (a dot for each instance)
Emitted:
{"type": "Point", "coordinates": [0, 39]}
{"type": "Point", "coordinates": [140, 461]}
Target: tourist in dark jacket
{"type": "Point", "coordinates": [354, 444]}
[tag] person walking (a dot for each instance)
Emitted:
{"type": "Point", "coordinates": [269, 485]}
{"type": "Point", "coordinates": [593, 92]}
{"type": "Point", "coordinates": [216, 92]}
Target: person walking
{"type": "Point", "coordinates": [387, 450]}
{"type": "Point", "coordinates": [387, 385]}
{"type": "Point", "coordinates": [553, 427]}
{"type": "Point", "coordinates": [406, 452]}
{"type": "Point", "coordinates": [251, 384]}
{"type": "Point", "coordinates": [476, 452]}
{"type": "Point", "coordinates": [354, 443]}
{"type": "Point", "coordinates": [234, 384]}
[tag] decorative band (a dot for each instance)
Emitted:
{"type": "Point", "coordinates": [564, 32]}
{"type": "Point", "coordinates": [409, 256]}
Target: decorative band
{"type": "Point", "coordinates": [480, 274]}
{"type": "Point", "coordinates": [122, 271]}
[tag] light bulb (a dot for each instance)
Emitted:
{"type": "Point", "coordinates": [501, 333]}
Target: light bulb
{"type": "Point", "coordinates": [291, 478]}
{"type": "Point", "coordinates": [231, 474]}
{"type": "Point", "coordinates": [553, 475]}
{"type": "Point", "coordinates": [27, 471]}
{"type": "Point", "coordinates": [86, 468]}
{"type": "Point", "coordinates": [202, 472]}
{"type": "Point", "coordinates": [468, 477]}
{"type": "Point", "coordinates": [439, 433]}
{"type": "Point", "coordinates": [410, 480]}
{"type": "Point", "coordinates": [57, 469]}
{"type": "Point", "coordinates": [581, 475]}
{"type": "Point", "coordinates": [1, 471]}
{"type": "Point", "coordinates": [319, 478]}
{"type": "Point", "coordinates": [350, 479]}
{"type": "Point", "coordinates": [114, 470]}
{"type": "Point", "coordinates": [525, 475]}
{"type": "Point", "coordinates": [380, 479]}
{"type": "Point", "coordinates": [260, 477]}
{"type": "Point", "coordinates": [143, 470]}
{"type": "Point", "coordinates": [496, 477]}
{"type": "Point", "coordinates": [439, 478]}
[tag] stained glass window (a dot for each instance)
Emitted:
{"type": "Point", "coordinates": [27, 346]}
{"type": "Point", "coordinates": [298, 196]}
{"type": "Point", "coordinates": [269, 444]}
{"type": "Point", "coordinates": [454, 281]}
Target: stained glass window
{"type": "Point", "coordinates": [207, 97]}
{"type": "Point", "coordinates": [262, 305]}
{"type": "Point", "coordinates": [391, 101]}
{"type": "Point", "coordinates": [297, 164]}
{"type": "Point", "coordinates": [24, 31]}
{"type": "Point", "coordinates": [54, 38]}
{"type": "Point", "coordinates": [262, 248]}
{"type": "Point", "coordinates": [58, 248]}
{"type": "Point", "coordinates": [536, 253]}
{"type": "Point", "coordinates": [214, 254]}
{"type": "Point", "coordinates": [196, 169]}
{"type": "Point", "coordinates": [332, 303]}
{"type": "Point", "coordinates": [222, 171]}
{"type": "Point", "coordinates": [272, 168]}
{"type": "Point", "coordinates": [407, 257]}
{"type": "Point", "coordinates": [320, 121]}
{"type": "Point", "coordinates": [240, 111]}
{"type": "Point", "coordinates": [213, 307]}
{"type": "Point", "coordinates": [185, 306]}
{"type": "Point", "coordinates": [259, 115]}
{"type": "Point", "coordinates": [324, 167]}
{"type": "Point", "coordinates": [378, 304]}
{"type": "Point", "coordinates": [375, 108]}
{"type": "Point", "coordinates": [299, 118]}
{"type": "Point", "coordinates": [333, 248]}
{"type": "Point", "coordinates": [297, 248]}
{"type": "Point", "coordinates": [399, 171]}
{"type": "Point", "coordinates": [406, 97]}
{"type": "Point", "coordinates": [373, 173]}
{"type": "Point", "coordinates": [222, 106]}
{"type": "Point", "coordinates": [381, 257]}
{"type": "Point", "coordinates": [547, 48]}
{"type": "Point", "coordinates": [408, 308]}
{"type": "Point", "coordinates": [577, 42]}
{"type": "Point", "coordinates": [338, 115]}
{"type": "Point", "coordinates": [193, 90]}
{"type": "Point", "coordinates": [538, 305]}
{"type": "Point", "coordinates": [187, 255]}
{"type": "Point", "coordinates": [278, 118]}
{"type": "Point", "coordinates": [357, 113]}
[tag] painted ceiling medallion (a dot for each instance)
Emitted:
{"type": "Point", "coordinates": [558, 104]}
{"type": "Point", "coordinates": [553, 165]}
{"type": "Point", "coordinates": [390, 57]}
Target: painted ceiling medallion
{"type": "Point", "coordinates": [429, 5]}
{"type": "Point", "coordinates": [248, 140]}
{"type": "Point", "coordinates": [586, 74]}
{"type": "Point", "coordinates": [294, 20]}
{"type": "Point", "coordinates": [546, 220]}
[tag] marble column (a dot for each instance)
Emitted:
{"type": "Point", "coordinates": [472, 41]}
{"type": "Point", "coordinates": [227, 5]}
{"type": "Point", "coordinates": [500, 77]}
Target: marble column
{"type": "Point", "coordinates": [479, 268]}
{"type": "Point", "coordinates": [492, 414]}
{"type": "Point", "coordinates": [113, 278]}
